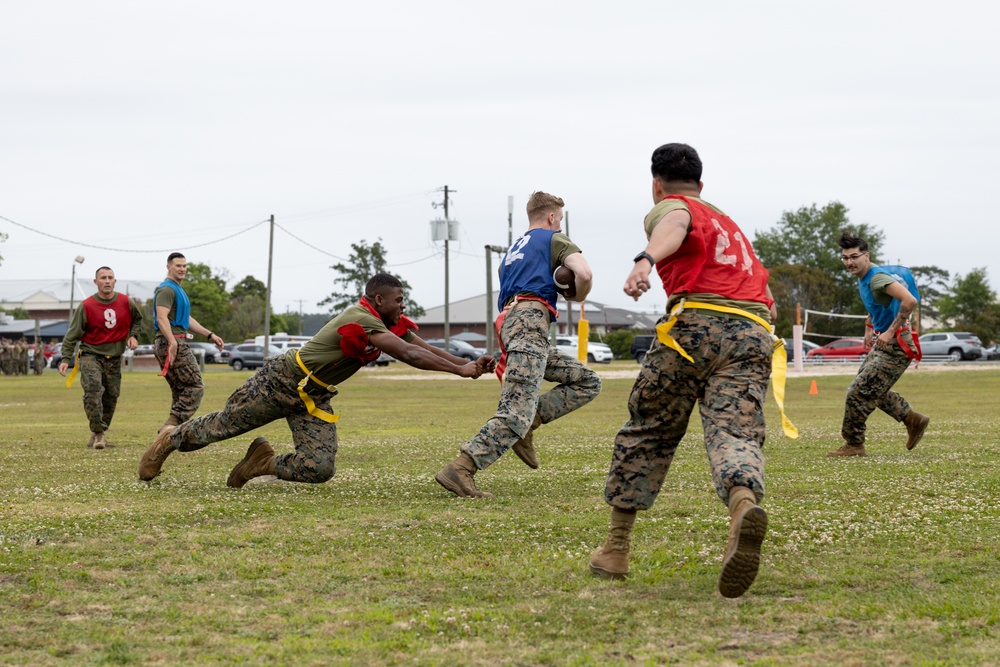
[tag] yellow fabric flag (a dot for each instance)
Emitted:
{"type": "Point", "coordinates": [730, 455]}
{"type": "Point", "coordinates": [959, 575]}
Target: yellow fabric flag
{"type": "Point", "coordinates": [582, 335]}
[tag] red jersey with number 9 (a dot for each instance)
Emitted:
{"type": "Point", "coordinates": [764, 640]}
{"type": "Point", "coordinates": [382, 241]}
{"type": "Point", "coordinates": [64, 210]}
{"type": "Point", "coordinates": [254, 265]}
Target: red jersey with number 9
{"type": "Point", "coordinates": [715, 258]}
{"type": "Point", "coordinates": [106, 322]}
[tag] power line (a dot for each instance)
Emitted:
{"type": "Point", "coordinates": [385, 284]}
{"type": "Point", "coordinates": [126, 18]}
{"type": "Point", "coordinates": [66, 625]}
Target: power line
{"type": "Point", "coordinates": [100, 247]}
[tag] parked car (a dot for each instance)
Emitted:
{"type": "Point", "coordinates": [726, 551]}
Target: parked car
{"type": "Point", "coordinates": [225, 351]}
{"type": "Point", "coordinates": [842, 348]}
{"type": "Point", "coordinates": [56, 359]}
{"type": "Point", "coordinates": [459, 348]}
{"type": "Point", "coordinates": [991, 353]}
{"type": "Point", "coordinates": [956, 345]}
{"type": "Point", "coordinates": [640, 345]}
{"type": "Point", "coordinates": [143, 349]}
{"type": "Point", "coordinates": [807, 347]}
{"type": "Point", "coordinates": [596, 352]}
{"type": "Point", "coordinates": [212, 354]}
{"type": "Point", "coordinates": [250, 355]}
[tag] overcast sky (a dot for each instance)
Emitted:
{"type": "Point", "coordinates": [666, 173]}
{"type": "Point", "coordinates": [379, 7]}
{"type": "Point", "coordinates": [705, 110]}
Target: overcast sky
{"type": "Point", "coordinates": [160, 126]}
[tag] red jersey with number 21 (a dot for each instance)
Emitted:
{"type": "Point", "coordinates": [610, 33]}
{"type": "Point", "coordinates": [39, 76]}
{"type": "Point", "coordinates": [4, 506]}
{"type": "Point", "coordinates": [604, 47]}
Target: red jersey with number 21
{"type": "Point", "coordinates": [107, 322]}
{"type": "Point", "coordinates": [715, 258]}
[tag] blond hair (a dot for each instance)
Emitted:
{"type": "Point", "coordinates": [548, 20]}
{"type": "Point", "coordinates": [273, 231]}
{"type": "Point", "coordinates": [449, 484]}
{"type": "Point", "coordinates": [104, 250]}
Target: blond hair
{"type": "Point", "coordinates": [543, 202]}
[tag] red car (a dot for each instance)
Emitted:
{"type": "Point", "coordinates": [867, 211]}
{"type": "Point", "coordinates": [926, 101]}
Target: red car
{"type": "Point", "coordinates": [840, 348]}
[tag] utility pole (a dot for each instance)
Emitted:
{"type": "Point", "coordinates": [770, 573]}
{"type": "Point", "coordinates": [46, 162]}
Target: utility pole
{"type": "Point", "coordinates": [510, 220]}
{"type": "Point", "coordinates": [300, 316]}
{"type": "Point", "coordinates": [447, 237]}
{"type": "Point", "coordinates": [267, 292]}
{"type": "Point", "coordinates": [489, 295]}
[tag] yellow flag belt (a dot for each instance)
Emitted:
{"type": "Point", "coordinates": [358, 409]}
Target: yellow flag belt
{"type": "Point", "coordinates": [307, 399]}
{"type": "Point", "coordinates": [779, 359]}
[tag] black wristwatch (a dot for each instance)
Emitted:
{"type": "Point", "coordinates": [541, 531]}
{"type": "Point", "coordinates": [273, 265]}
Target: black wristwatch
{"type": "Point", "coordinates": [645, 255]}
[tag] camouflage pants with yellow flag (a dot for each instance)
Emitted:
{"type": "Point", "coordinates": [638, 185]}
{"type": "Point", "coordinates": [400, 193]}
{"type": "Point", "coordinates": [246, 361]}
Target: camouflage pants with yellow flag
{"type": "Point", "coordinates": [101, 379]}
{"type": "Point", "coordinates": [530, 360]}
{"type": "Point", "coordinates": [268, 395]}
{"type": "Point", "coordinates": [728, 380]}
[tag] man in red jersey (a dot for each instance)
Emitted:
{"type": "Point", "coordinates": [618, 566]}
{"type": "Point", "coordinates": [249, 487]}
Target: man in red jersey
{"type": "Point", "coordinates": [713, 349]}
{"type": "Point", "coordinates": [104, 325]}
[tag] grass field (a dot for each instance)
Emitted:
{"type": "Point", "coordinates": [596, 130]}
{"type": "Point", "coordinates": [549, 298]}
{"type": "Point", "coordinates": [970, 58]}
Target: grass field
{"type": "Point", "coordinates": [888, 560]}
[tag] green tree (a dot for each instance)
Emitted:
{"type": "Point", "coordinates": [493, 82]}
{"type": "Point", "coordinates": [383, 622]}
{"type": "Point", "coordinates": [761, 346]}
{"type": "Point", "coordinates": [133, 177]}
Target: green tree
{"type": "Point", "coordinates": [364, 262]}
{"type": "Point", "coordinates": [209, 299]}
{"type": "Point", "coordinates": [248, 286]}
{"type": "Point", "coordinates": [932, 283]}
{"type": "Point", "coordinates": [808, 237]}
{"type": "Point", "coordinates": [972, 306]}
{"type": "Point", "coordinates": [18, 313]}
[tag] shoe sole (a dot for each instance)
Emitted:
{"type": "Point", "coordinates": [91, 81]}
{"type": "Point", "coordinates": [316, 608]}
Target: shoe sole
{"type": "Point", "coordinates": [607, 574]}
{"type": "Point", "coordinates": [740, 569]}
{"type": "Point", "coordinates": [254, 446]}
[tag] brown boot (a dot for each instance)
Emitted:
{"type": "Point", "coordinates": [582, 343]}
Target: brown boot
{"type": "Point", "coordinates": [916, 424]}
{"type": "Point", "coordinates": [258, 461]}
{"type": "Point", "coordinates": [93, 438]}
{"type": "Point", "coordinates": [525, 447]}
{"type": "Point", "coordinates": [172, 421]}
{"type": "Point", "coordinates": [747, 528]}
{"type": "Point", "coordinates": [848, 450]}
{"type": "Point", "coordinates": [457, 478]}
{"type": "Point", "coordinates": [152, 460]}
{"type": "Point", "coordinates": [99, 441]}
{"type": "Point", "coordinates": [610, 560]}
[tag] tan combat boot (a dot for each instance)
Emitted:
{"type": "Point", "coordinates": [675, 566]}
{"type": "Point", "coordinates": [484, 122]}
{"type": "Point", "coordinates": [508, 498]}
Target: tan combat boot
{"type": "Point", "coordinates": [93, 438]}
{"type": "Point", "coordinates": [916, 424]}
{"type": "Point", "coordinates": [99, 441]}
{"type": "Point", "coordinates": [172, 421]}
{"type": "Point", "coordinates": [457, 478]}
{"type": "Point", "coordinates": [525, 447]}
{"type": "Point", "coordinates": [610, 560]}
{"type": "Point", "coordinates": [747, 528]}
{"type": "Point", "coordinates": [152, 460]}
{"type": "Point", "coordinates": [848, 450]}
{"type": "Point", "coordinates": [258, 461]}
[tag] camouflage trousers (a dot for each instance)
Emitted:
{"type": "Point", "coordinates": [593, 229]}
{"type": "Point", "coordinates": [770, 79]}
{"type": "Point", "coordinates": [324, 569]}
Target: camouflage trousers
{"type": "Point", "coordinates": [872, 388]}
{"type": "Point", "coordinates": [184, 378]}
{"type": "Point", "coordinates": [529, 361]}
{"type": "Point", "coordinates": [101, 379]}
{"type": "Point", "coordinates": [728, 380]}
{"type": "Point", "coordinates": [270, 394]}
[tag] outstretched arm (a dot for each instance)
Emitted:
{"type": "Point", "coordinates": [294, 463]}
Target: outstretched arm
{"type": "Point", "coordinates": [668, 235]}
{"type": "Point", "coordinates": [423, 356]}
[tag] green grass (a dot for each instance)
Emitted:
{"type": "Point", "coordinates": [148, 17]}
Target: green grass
{"type": "Point", "coordinates": [887, 560]}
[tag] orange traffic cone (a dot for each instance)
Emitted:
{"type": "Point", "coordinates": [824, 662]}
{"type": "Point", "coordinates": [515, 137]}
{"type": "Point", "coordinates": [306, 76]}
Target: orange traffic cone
{"type": "Point", "coordinates": [812, 388]}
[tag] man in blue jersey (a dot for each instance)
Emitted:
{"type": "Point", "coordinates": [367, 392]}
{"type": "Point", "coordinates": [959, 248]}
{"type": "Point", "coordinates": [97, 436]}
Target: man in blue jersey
{"type": "Point", "coordinates": [174, 324]}
{"type": "Point", "coordinates": [528, 305]}
{"type": "Point", "coordinates": [891, 346]}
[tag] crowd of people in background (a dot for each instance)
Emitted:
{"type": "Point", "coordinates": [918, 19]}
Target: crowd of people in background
{"type": "Point", "coordinates": [18, 357]}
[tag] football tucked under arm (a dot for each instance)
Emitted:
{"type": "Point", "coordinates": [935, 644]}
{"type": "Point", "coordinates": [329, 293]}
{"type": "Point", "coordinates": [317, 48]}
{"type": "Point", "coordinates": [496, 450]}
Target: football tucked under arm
{"type": "Point", "coordinates": [565, 280]}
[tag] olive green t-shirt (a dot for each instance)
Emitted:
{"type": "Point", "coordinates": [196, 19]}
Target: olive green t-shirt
{"type": "Point", "coordinates": [322, 354]}
{"type": "Point", "coordinates": [653, 218]}
{"type": "Point", "coordinates": [878, 284]}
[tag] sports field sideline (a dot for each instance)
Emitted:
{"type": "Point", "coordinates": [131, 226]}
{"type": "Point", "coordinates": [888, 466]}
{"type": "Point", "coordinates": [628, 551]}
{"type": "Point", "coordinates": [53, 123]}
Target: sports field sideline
{"type": "Point", "coordinates": [890, 559]}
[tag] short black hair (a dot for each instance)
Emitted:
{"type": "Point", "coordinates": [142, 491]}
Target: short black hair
{"type": "Point", "coordinates": [380, 282]}
{"type": "Point", "coordinates": [676, 162]}
{"type": "Point", "coordinates": [848, 240]}
{"type": "Point", "coordinates": [175, 255]}
{"type": "Point", "coordinates": [103, 268]}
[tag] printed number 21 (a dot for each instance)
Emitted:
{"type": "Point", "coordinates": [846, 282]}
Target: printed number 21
{"type": "Point", "coordinates": [722, 244]}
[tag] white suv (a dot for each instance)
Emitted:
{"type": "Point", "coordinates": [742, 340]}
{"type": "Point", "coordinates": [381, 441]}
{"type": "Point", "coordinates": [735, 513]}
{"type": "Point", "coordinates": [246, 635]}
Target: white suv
{"type": "Point", "coordinates": [596, 352]}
